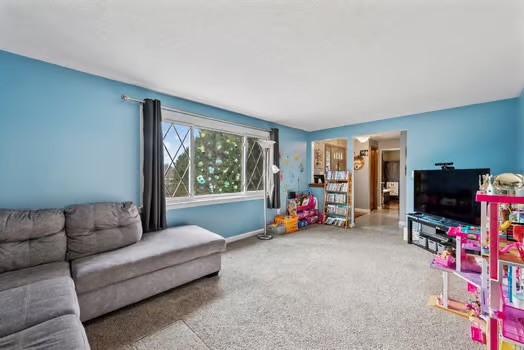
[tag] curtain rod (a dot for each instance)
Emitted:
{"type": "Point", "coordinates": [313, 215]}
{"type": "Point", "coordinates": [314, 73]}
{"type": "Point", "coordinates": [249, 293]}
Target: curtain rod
{"type": "Point", "coordinates": [171, 109]}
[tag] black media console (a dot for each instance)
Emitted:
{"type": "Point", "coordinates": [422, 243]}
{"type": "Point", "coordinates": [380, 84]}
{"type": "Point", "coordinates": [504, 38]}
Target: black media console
{"type": "Point", "coordinates": [430, 232]}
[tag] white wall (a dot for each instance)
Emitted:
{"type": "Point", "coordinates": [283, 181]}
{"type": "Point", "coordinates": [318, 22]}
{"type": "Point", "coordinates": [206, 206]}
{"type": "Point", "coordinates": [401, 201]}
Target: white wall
{"type": "Point", "coordinates": [361, 177]}
{"type": "Point", "coordinates": [389, 155]}
{"type": "Point", "coordinates": [389, 143]}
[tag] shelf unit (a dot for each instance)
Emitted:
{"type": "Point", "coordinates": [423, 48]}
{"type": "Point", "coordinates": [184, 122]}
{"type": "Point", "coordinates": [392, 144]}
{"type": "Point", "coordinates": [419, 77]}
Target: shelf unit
{"type": "Point", "coordinates": [429, 233]}
{"type": "Point", "coordinates": [500, 315]}
{"type": "Point", "coordinates": [338, 208]}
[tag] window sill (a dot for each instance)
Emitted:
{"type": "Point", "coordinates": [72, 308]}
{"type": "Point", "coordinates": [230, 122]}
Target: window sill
{"type": "Point", "coordinates": [212, 200]}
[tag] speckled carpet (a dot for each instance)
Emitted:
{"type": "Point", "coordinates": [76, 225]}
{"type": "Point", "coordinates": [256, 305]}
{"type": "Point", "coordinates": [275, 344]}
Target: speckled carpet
{"type": "Point", "coordinates": [322, 288]}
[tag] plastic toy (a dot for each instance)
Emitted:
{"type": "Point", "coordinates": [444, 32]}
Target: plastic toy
{"type": "Point", "coordinates": [446, 259]}
{"type": "Point", "coordinates": [504, 319]}
{"type": "Point", "coordinates": [505, 226]}
{"type": "Point", "coordinates": [292, 208]}
{"type": "Point", "coordinates": [518, 233]}
{"type": "Point", "coordinates": [508, 183]}
{"type": "Point", "coordinates": [517, 245]}
{"type": "Point", "coordinates": [477, 334]}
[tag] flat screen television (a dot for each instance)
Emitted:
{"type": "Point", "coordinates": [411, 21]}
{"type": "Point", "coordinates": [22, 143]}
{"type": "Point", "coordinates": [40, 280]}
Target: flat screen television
{"type": "Point", "coordinates": [449, 194]}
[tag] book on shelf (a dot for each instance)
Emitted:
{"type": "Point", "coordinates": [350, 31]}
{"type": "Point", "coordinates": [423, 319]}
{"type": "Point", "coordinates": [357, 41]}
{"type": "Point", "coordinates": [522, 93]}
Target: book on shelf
{"type": "Point", "coordinates": [336, 221]}
{"type": "Point", "coordinates": [340, 198]}
{"type": "Point", "coordinates": [337, 175]}
{"type": "Point", "coordinates": [337, 187]}
{"type": "Point", "coordinates": [337, 210]}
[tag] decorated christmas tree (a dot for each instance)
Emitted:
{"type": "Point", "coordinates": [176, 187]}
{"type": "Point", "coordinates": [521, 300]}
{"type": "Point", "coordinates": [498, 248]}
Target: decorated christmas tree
{"type": "Point", "coordinates": [218, 162]}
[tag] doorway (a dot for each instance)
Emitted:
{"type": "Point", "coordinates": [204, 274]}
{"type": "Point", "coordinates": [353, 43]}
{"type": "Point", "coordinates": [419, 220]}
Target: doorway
{"type": "Point", "coordinates": [390, 179]}
{"type": "Point", "coordinates": [380, 174]}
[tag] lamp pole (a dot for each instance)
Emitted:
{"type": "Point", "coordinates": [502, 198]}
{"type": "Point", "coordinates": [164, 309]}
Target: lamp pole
{"type": "Point", "coordinates": [266, 146]}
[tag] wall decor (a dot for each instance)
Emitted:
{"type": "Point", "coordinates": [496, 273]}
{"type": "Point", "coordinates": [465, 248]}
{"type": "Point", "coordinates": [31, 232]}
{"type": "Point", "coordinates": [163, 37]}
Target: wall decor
{"type": "Point", "coordinates": [364, 153]}
{"type": "Point", "coordinates": [358, 162]}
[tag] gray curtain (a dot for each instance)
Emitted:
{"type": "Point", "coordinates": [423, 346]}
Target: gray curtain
{"type": "Point", "coordinates": [275, 202]}
{"type": "Point", "coordinates": [154, 198]}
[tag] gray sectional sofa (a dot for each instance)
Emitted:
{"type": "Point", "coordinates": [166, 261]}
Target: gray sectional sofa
{"type": "Point", "coordinates": [59, 268]}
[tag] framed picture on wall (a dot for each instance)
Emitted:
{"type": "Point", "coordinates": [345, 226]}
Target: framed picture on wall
{"type": "Point", "coordinates": [364, 153]}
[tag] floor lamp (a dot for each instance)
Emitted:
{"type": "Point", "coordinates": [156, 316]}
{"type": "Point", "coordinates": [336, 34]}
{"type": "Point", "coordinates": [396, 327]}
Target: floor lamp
{"type": "Point", "coordinates": [266, 145]}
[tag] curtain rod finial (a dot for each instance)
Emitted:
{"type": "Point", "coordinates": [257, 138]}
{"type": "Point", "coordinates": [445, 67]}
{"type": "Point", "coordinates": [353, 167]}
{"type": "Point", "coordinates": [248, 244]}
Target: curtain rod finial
{"type": "Point", "coordinates": [124, 97]}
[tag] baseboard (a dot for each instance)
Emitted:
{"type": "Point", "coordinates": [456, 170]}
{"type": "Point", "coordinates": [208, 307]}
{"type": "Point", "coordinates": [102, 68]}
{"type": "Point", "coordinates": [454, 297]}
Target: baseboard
{"type": "Point", "coordinates": [243, 236]}
{"type": "Point", "coordinates": [363, 210]}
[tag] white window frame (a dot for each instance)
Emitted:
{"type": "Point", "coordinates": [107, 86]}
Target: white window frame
{"type": "Point", "coordinates": [192, 122]}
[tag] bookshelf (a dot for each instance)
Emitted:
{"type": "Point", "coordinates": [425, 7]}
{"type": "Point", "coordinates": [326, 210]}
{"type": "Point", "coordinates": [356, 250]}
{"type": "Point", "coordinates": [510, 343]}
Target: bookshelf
{"type": "Point", "coordinates": [337, 199]}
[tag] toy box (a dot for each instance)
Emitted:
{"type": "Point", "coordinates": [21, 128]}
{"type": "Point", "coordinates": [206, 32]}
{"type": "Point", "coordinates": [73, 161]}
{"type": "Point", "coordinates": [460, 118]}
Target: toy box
{"type": "Point", "coordinates": [276, 229]}
{"type": "Point", "coordinates": [289, 222]}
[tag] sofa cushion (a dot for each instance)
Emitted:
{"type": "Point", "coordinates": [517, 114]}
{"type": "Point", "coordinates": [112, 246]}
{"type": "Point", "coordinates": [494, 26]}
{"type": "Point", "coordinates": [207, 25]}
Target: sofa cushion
{"type": "Point", "coordinates": [61, 333]}
{"type": "Point", "coordinates": [29, 305]}
{"type": "Point", "coordinates": [30, 238]}
{"type": "Point", "coordinates": [33, 274]}
{"type": "Point", "coordinates": [100, 227]}
{"type": "Point", "coordinates": [156, 250]}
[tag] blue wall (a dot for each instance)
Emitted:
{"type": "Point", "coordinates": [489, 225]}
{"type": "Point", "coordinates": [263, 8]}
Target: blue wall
{"type": "Point", "coordinates": [476, 136]}
{"type": "Point", "coordinates": [66, 137]}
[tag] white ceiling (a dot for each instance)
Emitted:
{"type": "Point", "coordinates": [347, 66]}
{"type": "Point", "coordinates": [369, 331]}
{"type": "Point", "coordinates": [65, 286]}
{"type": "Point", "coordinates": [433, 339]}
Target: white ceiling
{"type": "Point", "coordinates": [306, 64]}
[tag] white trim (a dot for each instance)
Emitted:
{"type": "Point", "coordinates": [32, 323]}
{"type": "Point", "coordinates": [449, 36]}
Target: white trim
{"type": "Point", "coordinates": [243, 235]}
{"type": "Point", "coordinates": [401, 223]}
{"type": "Point", "coordinates": [206, 123]}
{"type": "Point", "coordinates": [212, 200]}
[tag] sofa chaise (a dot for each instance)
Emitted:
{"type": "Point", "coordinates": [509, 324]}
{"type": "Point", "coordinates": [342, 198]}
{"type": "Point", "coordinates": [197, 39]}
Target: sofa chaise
{"type": "Point", "coordinates": [59, 268]}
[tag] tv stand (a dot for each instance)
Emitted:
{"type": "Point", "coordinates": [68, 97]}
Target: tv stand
{"type": "Point", "coordinates": [430, 232]}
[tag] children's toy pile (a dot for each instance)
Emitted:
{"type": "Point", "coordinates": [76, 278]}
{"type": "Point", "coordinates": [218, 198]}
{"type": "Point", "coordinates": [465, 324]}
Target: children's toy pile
{"type": "Point", "coordinates": [302, 211]}
{"type": "Point", "coordinates": [304, 206]}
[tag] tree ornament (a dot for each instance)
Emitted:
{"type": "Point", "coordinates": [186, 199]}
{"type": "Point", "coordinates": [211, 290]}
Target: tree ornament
{"type": "Point", "coordinates": [201, 180]}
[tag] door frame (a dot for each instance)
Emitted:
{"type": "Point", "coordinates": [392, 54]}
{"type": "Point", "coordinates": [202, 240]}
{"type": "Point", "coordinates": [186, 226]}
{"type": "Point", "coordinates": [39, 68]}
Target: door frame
{"type": "Point", "coordinates": [380, 172]}
{"type": "Point", "coordinates": [374, 160]}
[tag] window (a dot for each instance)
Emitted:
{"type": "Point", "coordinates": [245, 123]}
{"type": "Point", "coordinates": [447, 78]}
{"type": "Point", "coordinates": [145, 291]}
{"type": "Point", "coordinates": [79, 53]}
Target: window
{"type": "Point", "coordinates": [254, 165]}
{"type": "Point", "coordinates": [176, 159]}
{"type": "Point", "coordinates": [210, 159]}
